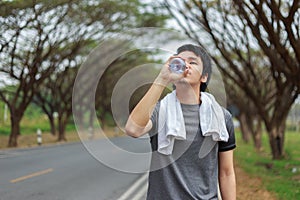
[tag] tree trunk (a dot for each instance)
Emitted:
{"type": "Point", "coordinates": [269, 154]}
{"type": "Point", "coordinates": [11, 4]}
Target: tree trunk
{"type": "Point", "coordinates": [61, 133]}
{"type": "Point", "coordinates": [246, 131]}
{"type": "Point", "coordinates": [52, 124]}
{"type": "Point", "coordinates": [80, 119]}
{"type": "Point", "coordinates": [251, 129]}
{"type": "Point", "coordinates": [15, 131]}
{"type": "Point", "coordinates": [257, 137]}
{"type": "Point", "coordinates": [276, 139]}
{"type": "Point", "coordinates": [52, 127]}
{"type": "Point", "coordinates": [61, 129]}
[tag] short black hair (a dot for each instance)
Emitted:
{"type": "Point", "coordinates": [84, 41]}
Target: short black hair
{"type": "Point", "coordinates": [200, 52]}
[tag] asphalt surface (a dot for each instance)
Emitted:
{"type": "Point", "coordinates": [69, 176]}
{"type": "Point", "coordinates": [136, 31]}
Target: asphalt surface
{"type": "Point", "coordinates": [75, 171]}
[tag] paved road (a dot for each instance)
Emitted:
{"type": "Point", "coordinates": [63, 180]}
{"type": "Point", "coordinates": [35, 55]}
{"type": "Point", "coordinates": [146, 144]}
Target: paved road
{"type": "Point", "coordinates": [70, 172]}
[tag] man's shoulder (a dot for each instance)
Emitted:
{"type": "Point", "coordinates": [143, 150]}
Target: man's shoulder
{"type": "Point", "coordinates": [227, 116]}
{"type": "Point", "coordinates": [226, 112]}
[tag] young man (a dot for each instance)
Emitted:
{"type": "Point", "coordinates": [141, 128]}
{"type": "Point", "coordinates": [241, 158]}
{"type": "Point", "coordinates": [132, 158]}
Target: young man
{"type": "Point", "coordinates": [187, 163]}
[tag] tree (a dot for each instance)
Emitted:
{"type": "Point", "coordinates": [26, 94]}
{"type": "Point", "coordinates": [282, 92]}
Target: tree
{"type": "Point", "coordinates": [39, 37]}
{"type": "Point", "coordinates": [29, 55]}
{"type": "Point", "coordinates": [112, 75]}
{"type": "Point", "coordinates": [250, 120]}
{"type": "Point", "coordinates": [238, 31]}
{"type": "Point", "coordinates": [55, 96]}
{"type": "Point", "coordinates": [62, 28]}
{"type": "Point", "coordinates": [105, 66]}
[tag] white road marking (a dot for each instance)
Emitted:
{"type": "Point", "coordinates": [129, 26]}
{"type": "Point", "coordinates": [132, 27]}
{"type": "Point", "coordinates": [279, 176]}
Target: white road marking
{"type": "Point", "coordinates": [141, 192]}
{"type": "Point", "coordinates": [133, 188]}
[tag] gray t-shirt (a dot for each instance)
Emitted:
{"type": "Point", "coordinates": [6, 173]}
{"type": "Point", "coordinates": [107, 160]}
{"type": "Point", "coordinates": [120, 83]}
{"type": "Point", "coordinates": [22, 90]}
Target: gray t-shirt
{"type": "Point", "coordinates": [184, 175]}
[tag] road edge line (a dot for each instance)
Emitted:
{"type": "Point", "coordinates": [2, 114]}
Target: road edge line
{"type": "Point", "coordinates": [135, 185]}
{"type": "Point", "coordinates": [141, 192]}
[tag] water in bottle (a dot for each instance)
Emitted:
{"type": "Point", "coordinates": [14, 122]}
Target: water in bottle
{"type": "Point", "coordinates": [177, 65]}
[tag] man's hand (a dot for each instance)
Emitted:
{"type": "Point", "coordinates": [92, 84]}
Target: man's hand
{"type": "Point", "coordinates": [166, 76]}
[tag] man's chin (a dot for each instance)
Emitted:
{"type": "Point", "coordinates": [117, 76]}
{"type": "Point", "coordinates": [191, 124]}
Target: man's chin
{"type": "Point", "coordinates": [181, 82]}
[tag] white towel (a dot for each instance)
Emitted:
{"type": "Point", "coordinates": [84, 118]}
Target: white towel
{"type": "Point", "coordinates": [171, 123]}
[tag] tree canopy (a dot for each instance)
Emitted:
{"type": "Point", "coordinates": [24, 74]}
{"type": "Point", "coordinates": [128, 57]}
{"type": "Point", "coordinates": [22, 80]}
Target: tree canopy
{"type": "Point", "coordinates": [39, 39]}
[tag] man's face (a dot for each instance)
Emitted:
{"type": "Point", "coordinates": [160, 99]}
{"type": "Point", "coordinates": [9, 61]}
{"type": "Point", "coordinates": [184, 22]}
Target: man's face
{"type": "Point", "coordinates": [194, 68]}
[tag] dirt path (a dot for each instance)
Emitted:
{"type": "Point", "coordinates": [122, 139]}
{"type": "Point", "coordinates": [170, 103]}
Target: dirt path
{"type": "Point", "coordinates": [250, 188]}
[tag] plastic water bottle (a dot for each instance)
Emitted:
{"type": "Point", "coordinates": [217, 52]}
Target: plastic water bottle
{"type": "Point", "coordinates": [177, 65]}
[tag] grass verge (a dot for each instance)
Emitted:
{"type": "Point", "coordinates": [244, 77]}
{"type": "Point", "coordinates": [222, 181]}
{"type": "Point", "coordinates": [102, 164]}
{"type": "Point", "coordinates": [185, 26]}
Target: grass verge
{"type": "Point", "coordinates": [281, 177]}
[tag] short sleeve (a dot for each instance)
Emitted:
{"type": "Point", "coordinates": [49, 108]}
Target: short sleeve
{"type": "Point", "coordinates": [154, 130]}
{"type": "Point", "coordinates": [230, 144]}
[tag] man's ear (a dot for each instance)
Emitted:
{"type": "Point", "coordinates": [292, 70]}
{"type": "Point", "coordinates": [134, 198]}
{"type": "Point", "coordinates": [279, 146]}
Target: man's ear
{"type": "Point", "coordinates": [204, 78]}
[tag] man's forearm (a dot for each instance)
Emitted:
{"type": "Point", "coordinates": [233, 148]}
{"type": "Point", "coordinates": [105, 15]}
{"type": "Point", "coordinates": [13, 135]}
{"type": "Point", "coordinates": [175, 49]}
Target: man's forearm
{"type": "Point", "coordinates": [141, 114]}
{"type": "Point", "coordinates": [143, 110]}
{"type": "Point", "coordinates": [227, 185]}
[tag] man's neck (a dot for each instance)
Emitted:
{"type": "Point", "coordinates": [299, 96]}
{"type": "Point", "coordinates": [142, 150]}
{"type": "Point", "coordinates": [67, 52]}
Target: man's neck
{"type": "Point", "coordinates": [188, 95]}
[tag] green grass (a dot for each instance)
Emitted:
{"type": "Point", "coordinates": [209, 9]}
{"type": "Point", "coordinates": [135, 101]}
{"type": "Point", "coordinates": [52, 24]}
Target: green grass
{"type": "Point", "coordinates": [33, 119]}
{"type": "Point", "coordinates": [283, 178]}
{"type": "Point", "coordinates": [30, 127]}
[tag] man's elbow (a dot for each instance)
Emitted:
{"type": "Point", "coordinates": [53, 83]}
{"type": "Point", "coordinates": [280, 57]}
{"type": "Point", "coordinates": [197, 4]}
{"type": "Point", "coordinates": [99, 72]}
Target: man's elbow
{"type": "Point", "coordinates": [135, 130]}
{"type": "Point", "coordinates": [131, 131]}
